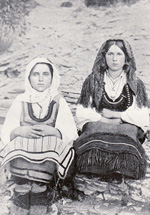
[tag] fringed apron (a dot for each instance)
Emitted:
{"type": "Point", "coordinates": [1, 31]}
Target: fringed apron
{"type": "Point", "coordinates": [105, 149]}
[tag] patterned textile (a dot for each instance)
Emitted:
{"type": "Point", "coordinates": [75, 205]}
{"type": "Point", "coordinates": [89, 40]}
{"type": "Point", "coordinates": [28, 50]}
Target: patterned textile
{"type": "Point", "coordinates": [28, 118]}
{"type": "Point", "coordinates": [104, 149]}
{"type": "Point", "coordinates": [124, 101]}
{"type": "Point", "coordinates": [38, 151]}
{"type": "Point", "coordinates": [32, 158]}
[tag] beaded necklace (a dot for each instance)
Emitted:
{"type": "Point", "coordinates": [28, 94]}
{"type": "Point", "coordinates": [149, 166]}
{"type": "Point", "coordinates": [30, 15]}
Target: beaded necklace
{"type": "Point", "coordinates": [114, 84]}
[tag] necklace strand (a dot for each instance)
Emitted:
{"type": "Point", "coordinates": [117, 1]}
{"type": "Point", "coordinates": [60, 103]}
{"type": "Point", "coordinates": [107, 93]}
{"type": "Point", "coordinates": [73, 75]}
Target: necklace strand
{"type": "Point", "coordinates": [112, 87]}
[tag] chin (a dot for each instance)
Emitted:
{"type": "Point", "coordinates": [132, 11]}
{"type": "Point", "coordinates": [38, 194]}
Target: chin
{"type": "Point", "coordinates": [40, 90]}
{"type": "Point", "coordinates": [115, 69]}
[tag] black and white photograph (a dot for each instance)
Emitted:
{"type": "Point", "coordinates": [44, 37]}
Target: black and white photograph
{"type": "Point", "coordinates": [75, 107]}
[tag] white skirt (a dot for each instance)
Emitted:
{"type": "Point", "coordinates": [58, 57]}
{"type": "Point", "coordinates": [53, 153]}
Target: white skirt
{"type": "Point", "coordinates": [39, 151]}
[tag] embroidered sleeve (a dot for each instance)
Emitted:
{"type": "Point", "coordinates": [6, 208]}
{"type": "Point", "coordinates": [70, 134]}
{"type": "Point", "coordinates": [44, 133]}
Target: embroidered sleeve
{"type": "Point", "coordinates": [85, 115]}
{"type": "Point", "coordinates": [137, 116]}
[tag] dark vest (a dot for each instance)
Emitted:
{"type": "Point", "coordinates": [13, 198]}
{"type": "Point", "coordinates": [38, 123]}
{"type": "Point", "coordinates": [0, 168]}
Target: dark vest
{"type": "Point", "coordinates": [122, 103]}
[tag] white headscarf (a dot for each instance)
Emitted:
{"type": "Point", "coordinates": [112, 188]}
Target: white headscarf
{"type": "Point", "coordinates": [33, 96]}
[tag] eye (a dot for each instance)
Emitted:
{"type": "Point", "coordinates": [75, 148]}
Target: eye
{"type": "Point", "coordinates": [109, 53]}
{"type": "Point", "coordinates": [46, 73]}
{"type": "Point", "coordinates": [119, 53]}
{"type": "Point", "coordinates": [35, 74]}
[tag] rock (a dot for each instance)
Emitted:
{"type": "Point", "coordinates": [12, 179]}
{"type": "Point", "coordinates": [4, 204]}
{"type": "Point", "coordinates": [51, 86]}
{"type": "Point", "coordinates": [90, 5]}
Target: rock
{"type": "Point", "coordinates": [95, 2]}
{"type": "Point", "coordinates": [107, 2]}
{"type": "Point", "coordinates": [90, 185]}
{"type": "Point", "coordinates": [110, 197]}
{"type": "Point", "coordinates": [15, 210]}
{"type": "Point", "coordinates": [11, 73]}
{"type": "Point", "coordinates": [107, 191]}
{"type": "Point", "coordinates": [138, 198]}
{"type": "Point", "coordinates": [4, 210]}
{"type": "Point", "coordinates": [37, 210]}
{"type": "Point", "coordinates": [106, 204]}
{"type": "Point", "coordinates": [66, 4]}
{"type": "Point", "coordinates": [116, 189]}
{"type": "Point", "coordinates": [145, 192]}
{"type": "Point", "coordinates": [134, 186]}
{"type": "Point", "coordinates": [137, 208]}
{"type": "Point", "coordinates": [125, 213]}
{"type": "Point", "coordinates": [53, 209]}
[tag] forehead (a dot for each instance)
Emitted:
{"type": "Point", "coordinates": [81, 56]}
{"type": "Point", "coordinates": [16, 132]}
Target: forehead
{"type": "Point", "coordinates": [41, 67]}
{"type": "Point", "coordinates": [115, 48]}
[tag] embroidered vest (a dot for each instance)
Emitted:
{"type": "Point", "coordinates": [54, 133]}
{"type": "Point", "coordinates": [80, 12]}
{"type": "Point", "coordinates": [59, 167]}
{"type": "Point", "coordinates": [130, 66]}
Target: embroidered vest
{"type": "Point", "coordinates": [28, 118]}
{"type": "Point", "coordinates": [122, 103]}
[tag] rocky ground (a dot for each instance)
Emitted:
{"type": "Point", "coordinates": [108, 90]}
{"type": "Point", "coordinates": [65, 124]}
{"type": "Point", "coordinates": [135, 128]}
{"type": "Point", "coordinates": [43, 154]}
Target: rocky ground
{"type": "Point", "coordinates": [70, 35]}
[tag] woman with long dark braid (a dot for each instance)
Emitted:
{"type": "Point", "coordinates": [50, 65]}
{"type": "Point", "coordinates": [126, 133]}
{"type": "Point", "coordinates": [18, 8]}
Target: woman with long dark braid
{"type": "Point", "coordinates": [113, 116]}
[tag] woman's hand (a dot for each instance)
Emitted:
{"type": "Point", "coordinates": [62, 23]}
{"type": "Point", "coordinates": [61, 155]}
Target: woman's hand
{"type": "Point", "coordinates": [45, 130]}
{"type": "Point", "coordinates": [35, 131]}
{"type": "Point", "coordinates": [110, 114]}
{"type": "Point", "coordinates": [26, 131]}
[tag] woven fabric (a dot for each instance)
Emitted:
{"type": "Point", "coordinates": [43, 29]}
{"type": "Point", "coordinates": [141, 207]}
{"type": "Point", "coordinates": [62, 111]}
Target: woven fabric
{"type": "Point", "coordinates": [38, 151]}
{"type": "Point", "coordinates": [105, 149]}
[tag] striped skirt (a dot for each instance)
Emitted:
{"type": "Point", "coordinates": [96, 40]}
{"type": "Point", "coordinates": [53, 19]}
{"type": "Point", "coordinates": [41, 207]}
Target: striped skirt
{"type": "Point", "coordinates": [36, 159]}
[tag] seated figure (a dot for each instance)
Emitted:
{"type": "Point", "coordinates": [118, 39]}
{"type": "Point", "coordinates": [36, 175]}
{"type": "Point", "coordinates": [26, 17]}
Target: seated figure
{"type": "Point", "coordinates": [39, 129]}
{"type": "Point", "coordinates": [113, 116]}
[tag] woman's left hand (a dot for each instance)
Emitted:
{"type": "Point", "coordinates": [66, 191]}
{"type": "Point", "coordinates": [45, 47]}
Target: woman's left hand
{"type": "Point", "coordinates": [47, 130]}
{"type": "Point", "coordinates": [44, 129]}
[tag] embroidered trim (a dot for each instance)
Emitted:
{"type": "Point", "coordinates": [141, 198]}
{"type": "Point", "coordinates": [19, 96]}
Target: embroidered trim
{"type": "Point", "coordinates": [50, 108]}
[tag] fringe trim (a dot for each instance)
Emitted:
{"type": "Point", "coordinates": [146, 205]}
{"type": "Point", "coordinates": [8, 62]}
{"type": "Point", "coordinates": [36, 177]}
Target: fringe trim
{"type": "Point", "coordinates": [103, 163]}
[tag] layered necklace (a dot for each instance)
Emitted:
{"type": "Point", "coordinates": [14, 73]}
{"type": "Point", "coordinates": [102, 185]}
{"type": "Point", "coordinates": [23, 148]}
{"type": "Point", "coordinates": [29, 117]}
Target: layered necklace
{"type": "Point", "coordinates": [114, 85]}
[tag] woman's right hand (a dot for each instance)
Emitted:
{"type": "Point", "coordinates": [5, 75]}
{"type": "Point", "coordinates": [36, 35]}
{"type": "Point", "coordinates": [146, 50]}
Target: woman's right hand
{"type": "Point", "coordinates": [26, 131]}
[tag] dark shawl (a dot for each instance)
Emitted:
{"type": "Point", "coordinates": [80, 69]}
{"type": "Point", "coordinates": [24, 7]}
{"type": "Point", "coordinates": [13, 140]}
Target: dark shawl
{"type": "Point", "coordinates": [92, 88]}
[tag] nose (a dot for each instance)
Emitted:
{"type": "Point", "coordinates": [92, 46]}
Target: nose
{"type": "Point", "coordinates": [114, 57]}
{"type": "Point", "coordinates": [40, 77]}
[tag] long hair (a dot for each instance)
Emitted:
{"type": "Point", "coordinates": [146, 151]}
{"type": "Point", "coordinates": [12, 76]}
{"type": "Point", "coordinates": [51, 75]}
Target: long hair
{"type": "Point", "coordinates": [101, 56]}
{"type": "Point", "coordinates": [93, 85]}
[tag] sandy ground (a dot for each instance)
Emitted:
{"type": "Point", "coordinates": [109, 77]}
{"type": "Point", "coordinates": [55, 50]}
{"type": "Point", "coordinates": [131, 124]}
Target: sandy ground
{"type": "Point", "coordinates": [70, 37]}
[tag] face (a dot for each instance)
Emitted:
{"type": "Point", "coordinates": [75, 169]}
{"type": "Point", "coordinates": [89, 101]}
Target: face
{"type": "Point", "coordinates": [115, 58]}
{"type": "Point", "coordinates": [40, 77]}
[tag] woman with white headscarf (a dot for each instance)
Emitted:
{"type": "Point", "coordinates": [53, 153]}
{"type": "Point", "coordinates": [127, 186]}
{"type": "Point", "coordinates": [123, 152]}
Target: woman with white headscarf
{"type": "Point", "coordinates": [39, 128]}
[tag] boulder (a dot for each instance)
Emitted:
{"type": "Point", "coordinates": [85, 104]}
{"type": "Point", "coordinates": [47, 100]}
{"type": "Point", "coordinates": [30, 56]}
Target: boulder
{"type": "Point", "coordinates": [107, 2]}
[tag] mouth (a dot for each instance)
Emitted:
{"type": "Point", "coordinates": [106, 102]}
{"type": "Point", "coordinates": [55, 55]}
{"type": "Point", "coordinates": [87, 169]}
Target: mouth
{"type": "Point", "coordinates": [115, 64]}
{"type": "Point", "coordinates": [40, 84]}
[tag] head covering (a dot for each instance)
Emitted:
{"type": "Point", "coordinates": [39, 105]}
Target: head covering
{"type": "Point", "coordinates": [33, 96]}
{"type": "Point", "coordinates": [93, 86]}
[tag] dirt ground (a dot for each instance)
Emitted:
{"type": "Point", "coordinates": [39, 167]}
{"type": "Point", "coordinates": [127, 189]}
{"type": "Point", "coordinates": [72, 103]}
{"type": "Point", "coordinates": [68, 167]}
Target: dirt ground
{"type": "Point", "coordinates": [70, 37]}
